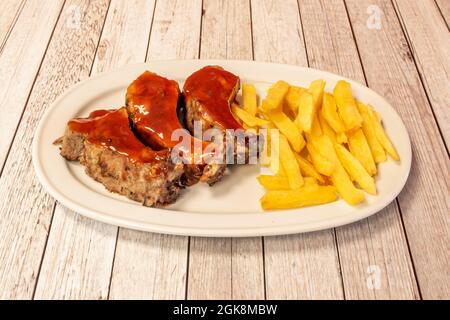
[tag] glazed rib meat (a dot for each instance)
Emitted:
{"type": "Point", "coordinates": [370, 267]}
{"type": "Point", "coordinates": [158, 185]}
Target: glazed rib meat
{"type": "Point", "coordinates": [152, 103]}
{"type": "Point", "coordinates": [208, 94]}
{"type": "Point", "coordinates": [105, 144]}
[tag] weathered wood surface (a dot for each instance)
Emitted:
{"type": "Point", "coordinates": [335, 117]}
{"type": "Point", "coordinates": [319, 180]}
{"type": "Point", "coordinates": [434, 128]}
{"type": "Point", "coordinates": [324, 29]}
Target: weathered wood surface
{"type": "Point", "coordinates": [48, 251]}
{"type": "Point", "coordinates": [390, 70]}
{"type": "Point", "coordinates": [27, 209]}
{"type": "Point", "coordinates": [379, 241]}
{"type": "Point", "coordinates": [80, 252]}
{"type": "Point", "coordinates": [430, 46]}
{"type": "Point", "coordinates": [292, 261]}
{"type": "Point", "coordinates": [226, 268]}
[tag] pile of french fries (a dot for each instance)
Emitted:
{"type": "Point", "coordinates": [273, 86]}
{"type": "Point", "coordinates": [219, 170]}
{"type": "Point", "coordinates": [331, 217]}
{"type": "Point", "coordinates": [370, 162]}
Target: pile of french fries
{"type": "Point", "coordinates": [329, 144]}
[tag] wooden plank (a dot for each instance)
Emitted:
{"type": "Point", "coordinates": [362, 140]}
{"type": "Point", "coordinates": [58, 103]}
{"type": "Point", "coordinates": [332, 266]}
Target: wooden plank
{"type": "Point", "coordinates": [19, 62]}
{"type": "Point", "coordinates": [226, 268]}
{"type": "Point", "coordinates": [149, 266]}
{"type": "Point", "coordinates": [80, 251]}
{"type": "Point", "coordinates": [444, 7]}
{"type": "Point", "coordinates": [27, 209]}
{"type": "Point", "coordinates": [304, 266]}
{"type": "Point", "coordinates": [390, 70]}
{"type": "Point", "coordinates": [154, 266]}
{"type": "Point", "coordinates": [379, 241]}
{"type": "Point", "coordinates": [78, 258]}
{"type": "Point", "coordinates": [428, 37]}
{"type": "Point", "coordinates": [9, 12]}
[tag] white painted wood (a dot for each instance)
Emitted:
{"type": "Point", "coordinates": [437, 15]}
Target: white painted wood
{"type": "Point", "coordinates": [80, 251]}
{"type": "Point", "coordinates": [78, 258]}
{"type": "Point", "coordinates": [424, 204]}
{"type": "Point", "coordinates": [444, 7]}
{"type": "Point", "coordinates": [27, 210]}
{"type": "Point", "coordinates": [430, 44]}
{"type": "Point", "coordinates": [225, 268]}
{"type": "Point", "coordinates": [154, 266]}
{"type": "Point", "coordinates": [9, 12]}
{"type": "Point", "coordinates": [379, 240]}
{"type": "Point", "coordinates": [19, 63]}
{"type": "Point", "coordinates": [301, 266]}
{"type": "Point", "coordinates": [149, 266]}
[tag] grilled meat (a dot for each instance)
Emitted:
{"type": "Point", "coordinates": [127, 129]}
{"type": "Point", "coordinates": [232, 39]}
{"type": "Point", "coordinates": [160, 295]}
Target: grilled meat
{"type": "Point", "coordinates": [112, 155]}
{"type": "Point", "coordinates": [208, 94]}
{"type": "Point", "coordinates": [152, 103]}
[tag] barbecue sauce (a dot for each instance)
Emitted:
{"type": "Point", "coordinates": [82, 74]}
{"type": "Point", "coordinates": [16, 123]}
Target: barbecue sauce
{"type": "Point", "coordinates": [111, 129]}
{"type": "Point", "coordinates": [152, 101]}
{"type": "Point", "coordinates": [213, 88]}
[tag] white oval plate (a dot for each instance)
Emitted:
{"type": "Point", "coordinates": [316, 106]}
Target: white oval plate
{"type": "Point", "coordinates": [230, 208]}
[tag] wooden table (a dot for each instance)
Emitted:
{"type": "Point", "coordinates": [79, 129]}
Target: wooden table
{"type": "Point", "coordinates": [399, 48]}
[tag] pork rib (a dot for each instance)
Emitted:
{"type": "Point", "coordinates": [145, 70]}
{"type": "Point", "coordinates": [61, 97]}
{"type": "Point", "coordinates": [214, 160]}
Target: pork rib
{"type": "Point", "coordinates": [112, 155]}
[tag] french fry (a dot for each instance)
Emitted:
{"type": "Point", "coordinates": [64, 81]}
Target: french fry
{"type": "Point", "coordinates": [247, 118]}
{"type": "Point", "coordinates": [359, 147]}
{"type": "Point", "coordinates": [281, 182]}
{"type": "Point", "coordinates": [249, 98]}
{"type": "Point", "coordinates": [347, 107]}
{"type": "Point", "coordinates": [321, 163]}
{"type": "Point", "coordinates": [275, 96]}
{"type": "Point", "coordinates": [345, 187]}
{"type": "Point", "coordinates": [330, 114]}
{"type": "Point", "coordinates": [339, 176]}
{"type": "Point", "coordinates": [368, 127]}
{"type": "Point", "coordinates": [292, 98]}
{"type": "Point", "coordinates": [341, 137]}
{"type": "Point", "coordinates": [382, 136]}
{"type": "Point", "coordinates": [305, 112]}
{"type": "Point", "coordinates": [305, 196]}
{"type": "Point", "coordinates": [355, 169]}
{"type": "Point", "coordinates": [288, 128]}
{"type": "Point", "coordinates": [326, 129]}
{"type": "Point", "coordinates": [290, 164]}
{"type": "Point", "coordinates": [316, 128]}
{"type": "Point", "coordinates": [307, 169]}
{"type": "Point", "coordinates": [310, 102]}
{"type": "Point", "coordinates": [316, 89]}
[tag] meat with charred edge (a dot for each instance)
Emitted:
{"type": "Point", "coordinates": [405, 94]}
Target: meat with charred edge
{"type": "Point", "coordinates": [152, 103]}
{"type": "Point", "coordinates": [112, 155]}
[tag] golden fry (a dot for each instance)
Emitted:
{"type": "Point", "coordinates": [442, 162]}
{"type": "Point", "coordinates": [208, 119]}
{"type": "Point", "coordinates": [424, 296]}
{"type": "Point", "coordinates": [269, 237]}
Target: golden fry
{"type": "Point", "coordinates": [330, 114]}
{"type": "Point", "coordinates": [288, 128]}
{"type": "Point", "coordinates": [275, 96]}
{"type": "Point", "coordinates": [326, 129]}
{"type": "Point", "coordinates": [355, 169]}
{"type": "Point", "coordinates": [321, 163]}
{"type": "Point", "coordinates": [359, 147]}
{"type": "Point", "coordinates": [247, 118]}
{"type": "Point", "coordinates": [290, 164]}
{"type": "Point", "coordinates": [345, 187]}
{"type": "Point", "coordinates": [341, 138]}
{"type": "Point", "coordinates": [310, 102]}
{"type": "Point", "coordinates": [339, 176]}
{"type": "Point", "coordinates": [347, 108]}
{"type": "Point", "coordinates": [368, 127]}
{"type": "Point", "coordinates": [292, 98]}
{"type": "Point", "coordinates": [281, 182]}
{"type": "Point", "coordinates": [307, 169]}
{"type": "Point", "coordinates": [305, 196]}
{"type": "Point", "coordinates": [249, 98]}
{"type": "Point", "coordinates": [382, 136]}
